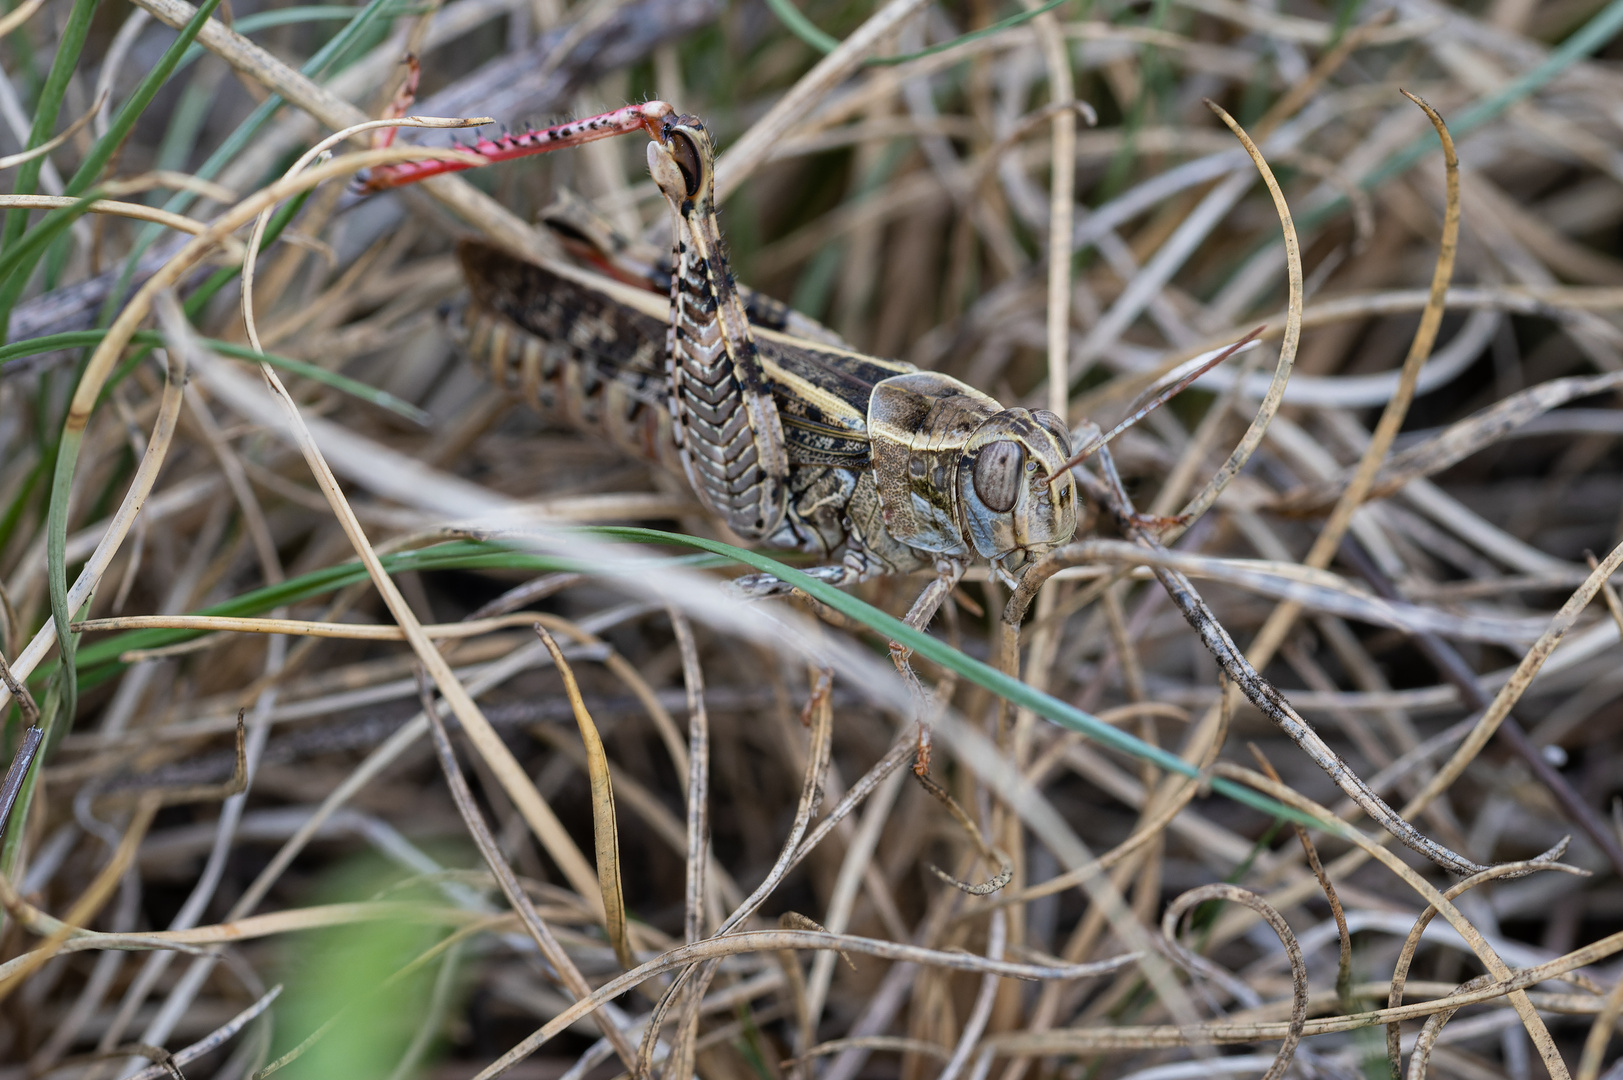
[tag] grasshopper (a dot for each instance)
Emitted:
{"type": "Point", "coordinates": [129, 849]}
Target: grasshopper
{"type": "Point", "coordinates": [791, 439]}
{"type": "Point", "coordinates": [787, 437]}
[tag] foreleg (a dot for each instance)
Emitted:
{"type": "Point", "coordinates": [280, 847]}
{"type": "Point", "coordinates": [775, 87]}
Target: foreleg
{"type": "Point", "coordinates": [948, 572]}
{"type": "Point", "coordinates": [857, 566]}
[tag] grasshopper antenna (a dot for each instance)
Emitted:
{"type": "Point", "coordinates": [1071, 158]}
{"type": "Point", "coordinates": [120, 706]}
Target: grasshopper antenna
{"type": "Point", "coordinates": [646, 118]}
{"type": "Point", "coordinates": [1159, 393]}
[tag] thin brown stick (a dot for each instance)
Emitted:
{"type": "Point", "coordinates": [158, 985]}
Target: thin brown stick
{"type": "Point", "coordinates": [697, 780]}
{"type": "Point", "coordinates": [1343, 938]}
{"type": "Point", "coordinates": [1207, 496]}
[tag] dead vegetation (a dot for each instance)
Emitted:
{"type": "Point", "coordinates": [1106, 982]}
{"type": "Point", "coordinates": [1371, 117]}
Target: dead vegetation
{"type": "Point", "coordinates": [366, 828]}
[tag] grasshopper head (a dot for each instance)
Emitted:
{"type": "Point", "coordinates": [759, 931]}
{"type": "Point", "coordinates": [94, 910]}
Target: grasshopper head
{"type": "Point", "coordinates": [1015, 493]}
{"type": "Point", "coordinates": [682, 161]}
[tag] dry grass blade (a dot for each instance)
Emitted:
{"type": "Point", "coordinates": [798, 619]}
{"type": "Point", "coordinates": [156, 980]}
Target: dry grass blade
{"type": "Point", "coordinates": [752, 148]}
{"type": "Point", "coordinates": [697, 782]}
{"type": "Point", "coordinates": [1207, 496]}
{"type": "Point", "coordinates": [1459, 441]}
{"type": "Point", "coordinates": [133, 211]}
{"type": "Point", "coordinates": [981, 1011]}
{"type": "Point", "coordinates": [1600, 1033]}
{"type": "Point", "coordinates": [1608, 592]}
{"type": "Point", "coordinates": [776, 940]}
{"type": "Point", "coordinates": [213, 1041]}
{"type": "Point", "coordinates": [1425, 335]}
{"type": "Point", "coordinates": [1316, 590]}
{"type": "Point", "coordinates": [512, 777]}
{"type": "Point", "coordinates": [604, 830]}
{"type": "Point", "coordinates": [1530, 1018]}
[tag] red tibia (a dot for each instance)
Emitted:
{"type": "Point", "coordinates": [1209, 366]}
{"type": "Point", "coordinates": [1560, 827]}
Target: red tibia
{"type": "Point", "coordinates": [645, 117]}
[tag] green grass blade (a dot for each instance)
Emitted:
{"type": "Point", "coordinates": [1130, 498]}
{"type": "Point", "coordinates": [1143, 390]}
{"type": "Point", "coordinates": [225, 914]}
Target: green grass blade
{"type": "Point", "coordinates": [801, 27]}
{"type": "Point", "coordinates": [343, 383]}
{"type": "Point", "coordinates": [98, 660]}
{"type": "Point", "coordinates": [12, 847]}
{"type": "Point", "coordinates": [71, 339]}
{"type": "Point", "coordinates": [128, 113]}
{"type": "Point", "coordinates": [13, 514]}
{"type": "Point", "coordinates": [292, 16]}
{"type": "Point", "coordinates": [78, 339]}
{"type": "Point", "coordinates": [46, 111]}
{"type": "Point", "coordinates": [185, 126]}
{"type": "Point", "coordinates": [56, 564]}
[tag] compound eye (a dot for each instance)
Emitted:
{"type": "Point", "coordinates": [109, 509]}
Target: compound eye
{"type": "Point", "coordinates": [997, 475]}
{"type": "Point", "coordinates": [686, 156]}
{"type": "Point", "coordinates": [1055, 427]}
